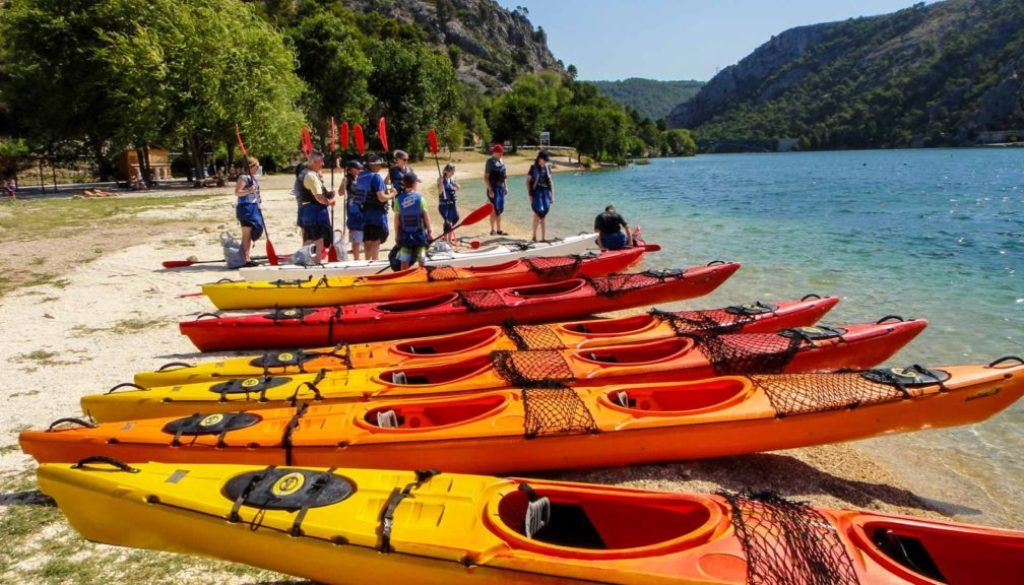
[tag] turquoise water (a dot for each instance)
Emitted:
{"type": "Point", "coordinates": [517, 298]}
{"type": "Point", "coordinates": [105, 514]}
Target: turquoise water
{"type": "Point", "coordinates": [919, 233]}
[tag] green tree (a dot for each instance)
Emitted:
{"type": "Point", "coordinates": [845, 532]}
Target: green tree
{"type": "Point", "coordinates": [678, 142]}
{"type": "Point", "coordinates": [520, 115]}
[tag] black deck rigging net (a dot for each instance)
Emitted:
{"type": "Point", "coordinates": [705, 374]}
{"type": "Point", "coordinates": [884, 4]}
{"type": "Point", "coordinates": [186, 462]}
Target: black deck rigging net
{"type": "Point", "coordinates": [554, 267]}
{"type": "Point", "coordinates": [616, 284]}
{"type": "Point", "coordinates": [789, 543]}
{"type": "Point", "coordinates": [532, 369]}
{"type": "Point", "coordinates": [809, 393]}
{"type": "Point", "coordinates": [438, 273]}
{"type": "Point", "coordinates": [555, 411]}
{"type": "Point", "coordinates": [749, 353]}
{"type": "Point", "coordinates": [481, 300]}
{"type": "Point", "coordinates": [703, 322]}
{"type": "Point", "coordinates": [532, 337]}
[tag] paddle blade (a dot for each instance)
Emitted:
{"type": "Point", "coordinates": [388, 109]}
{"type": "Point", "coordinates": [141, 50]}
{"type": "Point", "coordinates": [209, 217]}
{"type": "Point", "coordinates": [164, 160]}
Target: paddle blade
{"type": "Point", "coordinates": [241, 145]}
{"type": "Point", "coordinates": [344, 135]}
{"type": "Point", "coordinates": [360, 139]}
{"type": "Point", "coordinates": [334, 135]}
{"type": "Point", "coordinates": [432, 139]}
{"type": "Point", "coordinates": [271, 253]}
{"type": "Point", "coordinates": [332, 253]}
{"type": "Point", "coordinates": [307, 141]}
{"type": "Point", "coordinates": [478, 215]}
{"type": "Point", "coordinates": [176, 263]}
{"type": "Point", "coordinates": [382, 130]}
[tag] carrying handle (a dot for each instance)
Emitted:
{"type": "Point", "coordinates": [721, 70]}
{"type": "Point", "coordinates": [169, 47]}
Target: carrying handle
{"type": "Point", "coordinates": [84, 463]}
{"type": "Point", "coordinates": [1007, 358]}
{"type": "Point", "coordinates": [175, 365]}
{"type": "Point", "coordinates": [77, 421]}
{"type": "Point", "coordinates": [890, 318]}
{"type": "Point", "coordinates": [716, 262]}
{"type": "Point", "coordinates": [125, 385]}
{"type": "Point", "coordinates": [201, 315]}
{"type": "Point", "coordinates": [811, 296]}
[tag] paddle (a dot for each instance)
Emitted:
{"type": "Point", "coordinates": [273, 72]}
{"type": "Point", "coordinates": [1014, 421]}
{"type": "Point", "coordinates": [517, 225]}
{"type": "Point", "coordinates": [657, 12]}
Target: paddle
{"type": "Point", "coordinates": [184, 263]}
{"type": "Point", "coordinates": [332, 254]}
{"type": "Point", "coordinates": [344, 210]}
{"type": "Point", "coordinates": [271, 252]}
{"type": "Point", "coordinates": [360, 139]}
{"type": "Point", "coordinates": [432, 140]}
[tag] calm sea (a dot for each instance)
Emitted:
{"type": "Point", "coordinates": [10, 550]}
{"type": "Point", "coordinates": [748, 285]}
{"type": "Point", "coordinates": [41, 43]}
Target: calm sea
{"type": "Point", "coordinates": [919, 233]}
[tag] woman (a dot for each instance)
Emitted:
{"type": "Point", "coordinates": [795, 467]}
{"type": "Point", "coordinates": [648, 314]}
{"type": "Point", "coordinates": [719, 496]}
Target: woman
{"type": "Point", "coordinates": [247, 209]}
{"type": "Point", "coordinates": [447, 186]}
{"type": "Point", "coordinates": [541, 188]}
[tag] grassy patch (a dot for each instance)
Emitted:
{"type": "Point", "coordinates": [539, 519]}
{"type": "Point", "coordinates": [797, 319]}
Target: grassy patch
{"type": "Point", "coordinates": [135, 325]}
{"type": "Point", "coordinates": [42, 357]}
{"type": "Point", "coordinates": [179, 242]}
{"type": "Point", "coordinates": [17, 394]}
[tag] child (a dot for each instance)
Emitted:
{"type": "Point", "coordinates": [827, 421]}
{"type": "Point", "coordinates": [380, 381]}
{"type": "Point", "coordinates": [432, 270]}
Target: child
{"type": "Point", "coordinates": [446, 188]}
{"type": "Point", "coordinates": [412, 224]}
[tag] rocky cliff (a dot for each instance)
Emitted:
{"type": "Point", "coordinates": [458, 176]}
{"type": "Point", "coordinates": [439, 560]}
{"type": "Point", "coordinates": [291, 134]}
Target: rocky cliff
{"type": "Point", "coordinates": [489, 45]}
{"type": "Point", "coordinates": [937, 74]}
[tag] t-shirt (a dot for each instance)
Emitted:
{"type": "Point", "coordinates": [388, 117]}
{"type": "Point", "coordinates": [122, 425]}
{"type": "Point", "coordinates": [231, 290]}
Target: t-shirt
{"type": "Point", "coordinates": [609, 222]}
{"type": "Point", "coordinates": [495, 171]}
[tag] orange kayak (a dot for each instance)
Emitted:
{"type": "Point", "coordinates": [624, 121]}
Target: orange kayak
{"type": "Point", "coordinates": [497, 431]}
{"type": "Point", "coordinates": [753, 318]}
{"type": "Point", "coordinates": [678, 358]}
{"type": "Point", "coordinates": [416, 282]}
{"type": "Point", "coordinates": [355, 526]}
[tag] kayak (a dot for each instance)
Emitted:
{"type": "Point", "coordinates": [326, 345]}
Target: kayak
{"type": "Point", "coordinates": [506, 431]}
{"type": "Point", "coordinates": [802, 349]}
{"type": "Point", "coordinates": [353, 526]}
{"type": "Point", "coordinates": [415, 282]}
{"type": "Point", "coordinates": [450, 312]}
{"type": "Point", "coordinates": [494, 254]}
{"type": "Point", "coordinates": [756, 317]}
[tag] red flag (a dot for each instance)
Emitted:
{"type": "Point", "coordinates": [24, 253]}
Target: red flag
{"type": "Point", "coordinates": [360, 140]}
{"type": "Point", "coordinates": [334, 135]}
{"type": "Point", "coordinates": [382, 131]}
{"type": "Point", "coordinates": [344, 135]}
{"type": "Point", "coordinates": [432, 139]}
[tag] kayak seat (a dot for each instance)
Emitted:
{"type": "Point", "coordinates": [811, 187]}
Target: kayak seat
{"type": "Point", "coordinates": [909, 552]}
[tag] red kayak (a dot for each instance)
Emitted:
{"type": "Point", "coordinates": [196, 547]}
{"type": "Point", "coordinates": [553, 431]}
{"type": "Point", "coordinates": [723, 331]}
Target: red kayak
{"type": "Point", "coordinates": [542, 303]}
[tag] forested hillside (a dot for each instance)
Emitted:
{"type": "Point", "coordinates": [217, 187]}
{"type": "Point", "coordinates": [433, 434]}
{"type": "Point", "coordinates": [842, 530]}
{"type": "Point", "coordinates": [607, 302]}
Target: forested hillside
{"type": "Point", "coordinates": [652, 98]}
{"type": "Point", "coordinates": [928, 75]}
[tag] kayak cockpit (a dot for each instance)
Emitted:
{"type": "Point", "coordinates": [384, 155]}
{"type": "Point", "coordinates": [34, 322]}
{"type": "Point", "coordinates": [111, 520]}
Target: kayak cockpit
{"type": "Point", "coordinates": [570, 522]}
{"type": "Point", "coordinates": [638, 353]}
{"type": "Point", "coordinates": [431, 415]}
{"type": "Point", "coordinates": [929, 553]}
{"type": "Point", "coordinates": [605, 327]}
{"type": "Point", "coordinates": [675, 398]}
{"type": "Point", "coordinates": [492, 268]}
{"type": "Point", "coordinates": [543, 290]}
{"type": "Point", "coordinates": [418, 304]}
{"type": "Point", "coordinates": [438, 374]}
{"type": "Point", "coordinates": [386, 276]}
{"type": "Point", "coordinates": [448, 344]}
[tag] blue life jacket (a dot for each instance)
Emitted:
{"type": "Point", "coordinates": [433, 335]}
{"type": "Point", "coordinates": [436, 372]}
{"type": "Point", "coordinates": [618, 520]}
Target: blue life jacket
{"type": "Point", "coordinates": [398, 178]}
{"type": "Point", "coordinates": [367, 186]}
{"type": "Point", "coordinates": [543, 179]}
{"type": "Point", "coordinates": [499, 173]}
{"type": "Point", "coordinates": [410, 212]}
{"type": "Point", "coordinates": [361, 191]}
{"type": "Point", "coordinates": [300, 175]}
{"type": "Point", "coordinates": [448, 191]}
{"type": "Point", "coordinates": [250, 182]}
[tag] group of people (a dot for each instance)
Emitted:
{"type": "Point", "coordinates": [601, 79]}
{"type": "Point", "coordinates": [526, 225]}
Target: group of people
{"type": "Point", "coordinates": [370, 198]}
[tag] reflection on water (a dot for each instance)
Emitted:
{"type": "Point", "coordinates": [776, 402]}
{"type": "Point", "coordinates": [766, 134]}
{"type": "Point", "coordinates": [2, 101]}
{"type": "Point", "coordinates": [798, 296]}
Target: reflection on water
{"type": "Point", "coordinates": [923, 233]}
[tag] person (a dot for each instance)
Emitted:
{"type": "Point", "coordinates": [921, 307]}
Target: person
{"type": "Point", "coordinates": [353, 213]}
{"type": "Point", "coordinates": [613, 231]}
{"type": "Point", "coordinates": [373, 197]}
{"type": "Point", "coordinates": [412, 224]}
{"type": "Point", "coordinates": [11, 188]}
{"type": "Point", "coordinates": [397, 173]}
{"type": "Point", "coordinates": [495, 175]}
{"type": "Point", "coordinates": [300, 174]}
{"type": "Point", "coordinates": [447, 186]}
{"type": "Point", "coordinates": [314, 214]}
{"type": "Point", "coordinates": [247, 209]}
{"type": "Point", "coordinates": [541, 188]}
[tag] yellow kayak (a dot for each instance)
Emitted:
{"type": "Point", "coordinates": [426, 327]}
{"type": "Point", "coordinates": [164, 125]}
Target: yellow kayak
{"type": "Point", "coordinates": [370, 526]}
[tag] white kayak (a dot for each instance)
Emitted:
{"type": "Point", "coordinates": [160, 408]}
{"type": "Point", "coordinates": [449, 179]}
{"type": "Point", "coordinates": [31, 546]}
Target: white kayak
{"type": "Point", "coordinates": [494, 254]}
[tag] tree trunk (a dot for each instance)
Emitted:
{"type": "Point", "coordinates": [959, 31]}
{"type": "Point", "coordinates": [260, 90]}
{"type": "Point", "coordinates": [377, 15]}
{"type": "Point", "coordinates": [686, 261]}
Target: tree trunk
{"type": "Point", "coordinates": [99, 159]}
{"type": "Point", "coordinates": [53, 171]}
{"type": "Point", "coordinates": [149, 168]}
{"type": "Point", "coordinates": [42, 185]}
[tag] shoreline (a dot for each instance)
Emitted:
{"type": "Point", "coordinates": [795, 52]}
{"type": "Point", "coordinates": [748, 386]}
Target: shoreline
{"type": "Point", "coordinates": [113, 314]}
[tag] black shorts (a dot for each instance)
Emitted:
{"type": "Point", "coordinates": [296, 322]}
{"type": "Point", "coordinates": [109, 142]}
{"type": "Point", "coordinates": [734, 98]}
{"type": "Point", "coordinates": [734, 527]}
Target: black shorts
{"type": "Point", "coordinates": [375, 233]}
{"type": "Point", "coordinates": [318, 231]}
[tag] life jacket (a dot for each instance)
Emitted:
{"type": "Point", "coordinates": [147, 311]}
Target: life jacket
{"type": "Point", "coordinates": [543, 178]}
{"type": "Point", "coordinates": [499, 173]}
{"type": "Point", "coordinates": [250, 182]}
{"type": "Point", "coordinates": [305, 195]}
{"type": "Point", "coordinates": [410, 212]}
{"type": "Point", "coordinates": [361, 189]}
{"type": "Point", "coordinates": [300, 175]}
{"type": "Point", "coordinates": [397, 178]}
{"type": "Point", "coordinates": [448, 190]}
{"type": "Point", "coordinates": [370, 202]}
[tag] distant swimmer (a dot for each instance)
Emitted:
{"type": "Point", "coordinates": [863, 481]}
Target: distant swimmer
{"type": "Point", "coordinates": [540, 186]}
{"type": "Point", "coordinates": [613, 231]}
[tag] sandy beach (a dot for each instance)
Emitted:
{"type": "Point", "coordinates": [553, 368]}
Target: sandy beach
{"type": "Point", "coordinates": [108, 310]}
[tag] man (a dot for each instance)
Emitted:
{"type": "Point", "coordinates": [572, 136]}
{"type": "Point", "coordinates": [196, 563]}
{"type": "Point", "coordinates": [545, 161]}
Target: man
{"type": "Point", "coordinates": [315, 202]}
{"type": "Point", "coordinates": [373, 197]}
{"type": "Point", "coordinates": [613, 231]}
{"type": "Point", "coordinates": [353, 212]}
{"type": "Point", "coordinates": [495, 175]}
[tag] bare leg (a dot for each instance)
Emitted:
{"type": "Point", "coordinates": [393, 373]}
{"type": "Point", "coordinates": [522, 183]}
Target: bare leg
{"type": "Point", "coordinates": [544, 229]}
{"type": "Point", "coordinates": [247, 243]}
{"type": "Point", "coordinates": [356, 250]}
{"type": "Point", "coordinates": [536, 222]}
{"type": "Point", "coordinates": [372, 250]}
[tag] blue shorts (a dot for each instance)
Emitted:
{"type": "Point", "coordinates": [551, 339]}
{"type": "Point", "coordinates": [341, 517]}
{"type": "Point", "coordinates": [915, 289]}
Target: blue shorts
{"type": "Point", "coordinates": [354, 219]}
{"type": "Point", "coordinates": [315, 221]}
{"type": "Point", "coordinates": [355, 236]}
{"type": "Point", "coordinates": [541, 202]}
{"type": "Point", "coordinates": [449, 213]}
{"type": "Point", "coordinates": [499, 199]}
{"type": "Point", "coordinates": [375, 226]}
{"type": "Point", "coordinates": [249, 215]}
{"type": "Point", "coordinates": [613, 241]}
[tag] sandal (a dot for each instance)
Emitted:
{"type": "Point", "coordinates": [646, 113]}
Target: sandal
{"type": "Point", "coordinates": [251, 263]}
{"type": "Point", "coordinates": [502, 233]}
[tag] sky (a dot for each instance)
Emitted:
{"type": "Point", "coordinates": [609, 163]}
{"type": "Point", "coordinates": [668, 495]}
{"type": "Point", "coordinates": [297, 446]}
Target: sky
{"type": "Point", "coordinates": [676, 39]}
